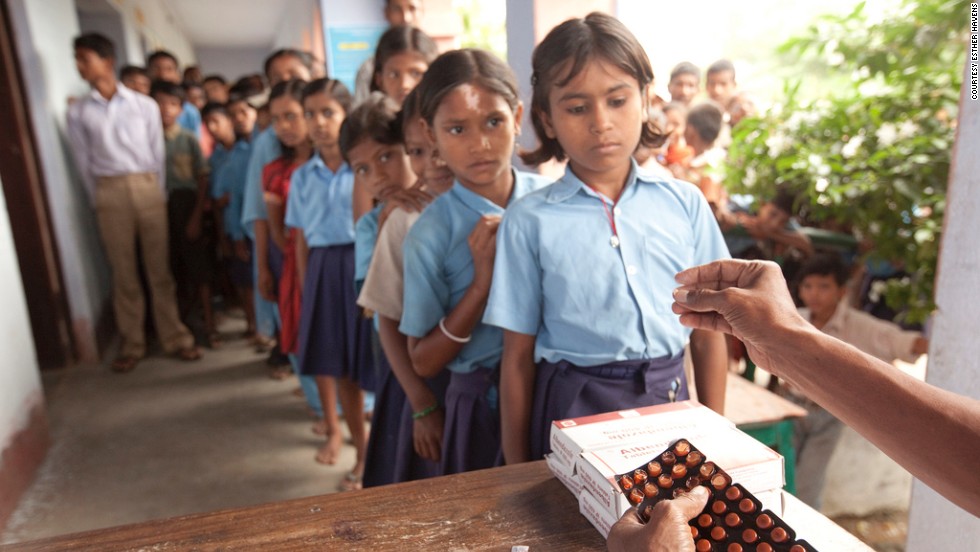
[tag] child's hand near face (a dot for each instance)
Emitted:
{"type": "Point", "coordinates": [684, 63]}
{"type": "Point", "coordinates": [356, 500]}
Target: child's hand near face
{"type": "Point", "coordinates": [483, 248]}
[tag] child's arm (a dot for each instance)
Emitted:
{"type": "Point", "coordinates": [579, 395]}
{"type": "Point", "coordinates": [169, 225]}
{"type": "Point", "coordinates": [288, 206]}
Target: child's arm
{"type": "Point", "coordinates": [427, 430]}
{"type": "Point", "coordinates": [709, 354]}
{"type": "Point", "coordinates": [362, 200]}
{"type": "Point", "coordinates": [432, 353]}
{"type": "Point", "coordinates": [302, 256]}
{"type": "Point", "coordinates": [795, 239]}
{"type": "Point", "coordinates": [266, 283]}
{"type": "Point", "coordinates": [194, 225]}
{"type": "Point", "coordinates": [277, 223]}
{"type": "Point", "coordinates": [517, 373]}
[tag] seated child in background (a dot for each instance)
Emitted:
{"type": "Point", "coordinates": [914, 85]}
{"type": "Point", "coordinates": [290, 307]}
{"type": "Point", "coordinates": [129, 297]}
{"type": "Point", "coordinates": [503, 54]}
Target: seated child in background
{"type": "Point", "coordinates": [187, 187]}
{"type": "Point", "coordinates": [705, 169]}
{"type": "Point", "coordinates": [231, 124]}
{"type": "Point", "coordinates": [822, 286]}
{"type": "Point", "coordinates": [135, 78]}
{"type": "Point", "coordinates": [685, 83]}
{"type": "Point", "coordinates": [773, 234]}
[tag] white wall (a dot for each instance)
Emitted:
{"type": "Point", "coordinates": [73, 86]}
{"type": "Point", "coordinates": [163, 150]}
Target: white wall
{"type": "Point", "coordinates": [158, 26]}
{"type": "Point", "coordinates": [20, 381]}
{"type": "Point", "coordinates": [231, 63]}
{"type": "Point", "coordinates": [934, 522]}
{"type": "Point", "coordinates": [43, 33]}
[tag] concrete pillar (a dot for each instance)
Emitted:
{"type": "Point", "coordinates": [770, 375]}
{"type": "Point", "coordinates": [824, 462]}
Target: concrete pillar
{"type": "Point", "coordinates": [934, 522]}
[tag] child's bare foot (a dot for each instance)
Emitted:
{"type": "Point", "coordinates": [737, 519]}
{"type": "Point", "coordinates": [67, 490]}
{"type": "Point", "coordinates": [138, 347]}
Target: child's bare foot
{"type": "Point", "coordinates": [321, 428]}
{"type": "Point", "coordinates": [329, 452]}
{"type": "Point", "coordinates": [353, 481]}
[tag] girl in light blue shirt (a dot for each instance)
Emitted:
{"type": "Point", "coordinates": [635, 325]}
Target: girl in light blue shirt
{"type": "Point", "coordinates": [469, 102]}
{"type": "Point", "coordinates": [584, 270]}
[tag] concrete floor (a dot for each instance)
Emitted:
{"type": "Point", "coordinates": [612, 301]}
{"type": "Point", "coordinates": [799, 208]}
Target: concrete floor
{"type": "Point", "coordinates": [168, 439]}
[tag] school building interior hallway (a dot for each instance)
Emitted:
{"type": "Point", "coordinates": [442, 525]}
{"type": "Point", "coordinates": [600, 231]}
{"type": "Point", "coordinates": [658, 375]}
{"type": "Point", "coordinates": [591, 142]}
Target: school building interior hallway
{"type": "Point", "coordinates": [168, 439]}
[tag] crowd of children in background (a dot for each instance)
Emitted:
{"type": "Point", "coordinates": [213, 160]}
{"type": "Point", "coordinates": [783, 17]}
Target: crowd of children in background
{"type": "Point", "coordinates": [381, 240]}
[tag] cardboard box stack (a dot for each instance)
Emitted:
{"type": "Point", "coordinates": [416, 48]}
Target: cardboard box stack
{"type": "Point", "coordinates": [588, 452]}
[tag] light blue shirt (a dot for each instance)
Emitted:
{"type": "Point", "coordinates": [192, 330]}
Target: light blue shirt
{"type": "Point", "coordinates": [321, 203]}
{"type": "Point", "coordinates": [190, 118]}
{"type": "Point", "coordinates": [439, 267]}
{"type": "Point", "coordinates": [265, 150]}
{"type": "Point", "coordinates": [558, 276]}
{"type": "Point", "coordinates": [229, 178]}
{"type": "Point", "coordinates": [365, 238]}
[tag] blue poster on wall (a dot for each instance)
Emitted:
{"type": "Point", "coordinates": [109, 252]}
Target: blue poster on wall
{"type": "Point", "coordinates": [348, 47]}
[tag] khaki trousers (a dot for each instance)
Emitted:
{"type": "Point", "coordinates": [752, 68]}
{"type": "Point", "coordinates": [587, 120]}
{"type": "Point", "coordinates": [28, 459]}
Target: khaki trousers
{"type": "Point", "coordinates": [131, 207]}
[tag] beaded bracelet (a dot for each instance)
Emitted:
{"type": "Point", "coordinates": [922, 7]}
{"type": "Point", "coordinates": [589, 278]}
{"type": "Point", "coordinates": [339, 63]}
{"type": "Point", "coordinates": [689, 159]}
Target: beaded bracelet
{"type": "Point", "coordinates": [425, 412]}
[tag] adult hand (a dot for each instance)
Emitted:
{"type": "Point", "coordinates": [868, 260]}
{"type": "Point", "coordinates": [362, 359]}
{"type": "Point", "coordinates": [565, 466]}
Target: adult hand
{"type": "Point", "coordinates": [427, 435]}
{"type": "Point", "coordinates": [748, 299]}
{"type": "Point", "coordinates": [667, 530]}
{"type": "Point", "coordinates": [483, 247]}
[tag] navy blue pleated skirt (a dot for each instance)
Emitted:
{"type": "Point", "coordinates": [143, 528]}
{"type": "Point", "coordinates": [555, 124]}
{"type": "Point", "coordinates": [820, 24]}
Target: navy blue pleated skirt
{"type": "Point", "coordinates": [471, 440]}
{"type": "Point", "coordinates": [334, 337]}
{"type": "Point", "coordinates": [563, 390]}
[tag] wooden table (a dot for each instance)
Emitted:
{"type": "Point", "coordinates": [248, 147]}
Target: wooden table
{"type": "Point", "coordinates": [765, 416]}
{"type": "Point", "coordinates": [486, 510]}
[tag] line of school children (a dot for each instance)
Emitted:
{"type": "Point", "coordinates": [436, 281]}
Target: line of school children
{"type": "Point", "coordinates": [400, 252]}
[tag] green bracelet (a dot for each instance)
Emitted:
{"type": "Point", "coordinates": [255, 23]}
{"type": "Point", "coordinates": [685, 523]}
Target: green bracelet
{"type": "Point", "coordinates": [425, 412]}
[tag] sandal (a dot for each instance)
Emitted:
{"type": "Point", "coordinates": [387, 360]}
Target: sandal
{"type": "Point", "coordinates": [281, 372]}
{"type": "Point", "coordinates": [124, 364]}
{"type": "Point", "coordinates": [351, 482]}
{"type": "Point", "coordinates": [189, 354]}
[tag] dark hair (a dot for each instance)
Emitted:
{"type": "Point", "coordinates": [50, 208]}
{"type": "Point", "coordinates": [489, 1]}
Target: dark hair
{"type": "Point", "coordinates": [398, 40]}
{"type": "Point", "coordinates": [130, 70]}
{"type": "Point", "coordinates": [217, 78]}
{"type": "Point", "coordinates": [214, 108]}
{"type": "Point", "coordinates": [187, 85]}
{"type": "Point", "coordinates": [161, 54]}
{"type": "Point", "coordinates": [706, 119]}
{"type": "Point", "coordinates": [331, 87]}
{"type": "Point", "coordinates": [292, 88]}
{"type": "Point", "coordinates": [304, 57]}
{"type": "Point", "coordinates": [167, 88]}
{"type": "Point", "coordinates": [824, 264]}
{"type": "Point", "coordinates": [580, 41]}
{"type": "Point", "coordinates": [466, 66]}
{"type": "Point", "coordinates": [685, 68]}
{"type": "Point", "coordinates": [721, 66]}
{"type": "Point", "coordinates": [242, 91]}
{"type": "Point", "coordinates": [785, 201]}
{"type": "Point", "coordinates": [98, 43]}
{"type": "Point", "coordinates": [376, 118]}
{"type": "Point", "coordinates": [411, 110]}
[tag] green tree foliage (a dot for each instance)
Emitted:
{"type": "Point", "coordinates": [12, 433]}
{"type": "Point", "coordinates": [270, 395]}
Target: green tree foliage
{"type": "Point", "coordinates": [873, 157]}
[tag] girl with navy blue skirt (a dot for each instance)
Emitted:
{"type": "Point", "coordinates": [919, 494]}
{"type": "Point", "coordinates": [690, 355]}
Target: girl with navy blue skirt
{"type": "Point", "coordinates": [470, 104]}
{"type": "Point", "coordinates": [413, 451]}
{"type": "Point", "coordinates": [585, 268]}
{"type": "Point", "coordinates": [334, 339]}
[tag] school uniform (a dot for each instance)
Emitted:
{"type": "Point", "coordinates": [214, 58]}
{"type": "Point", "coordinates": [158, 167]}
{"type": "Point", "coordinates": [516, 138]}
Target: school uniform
{"type": "Point", "coordinates": [391, 449]}
{"type": "Point", "coordinates": [276, 180]}
{"type": "Point", "coordinates": [228, 170]}
{"type": "Point", "coordinates": [264, 149]}
{"type": "Point", "coordinates": [334, 339]}
{"type": "Point", "coordinates": [438, 271]}
{"type": "Point", "coordinates": [599, 300]}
